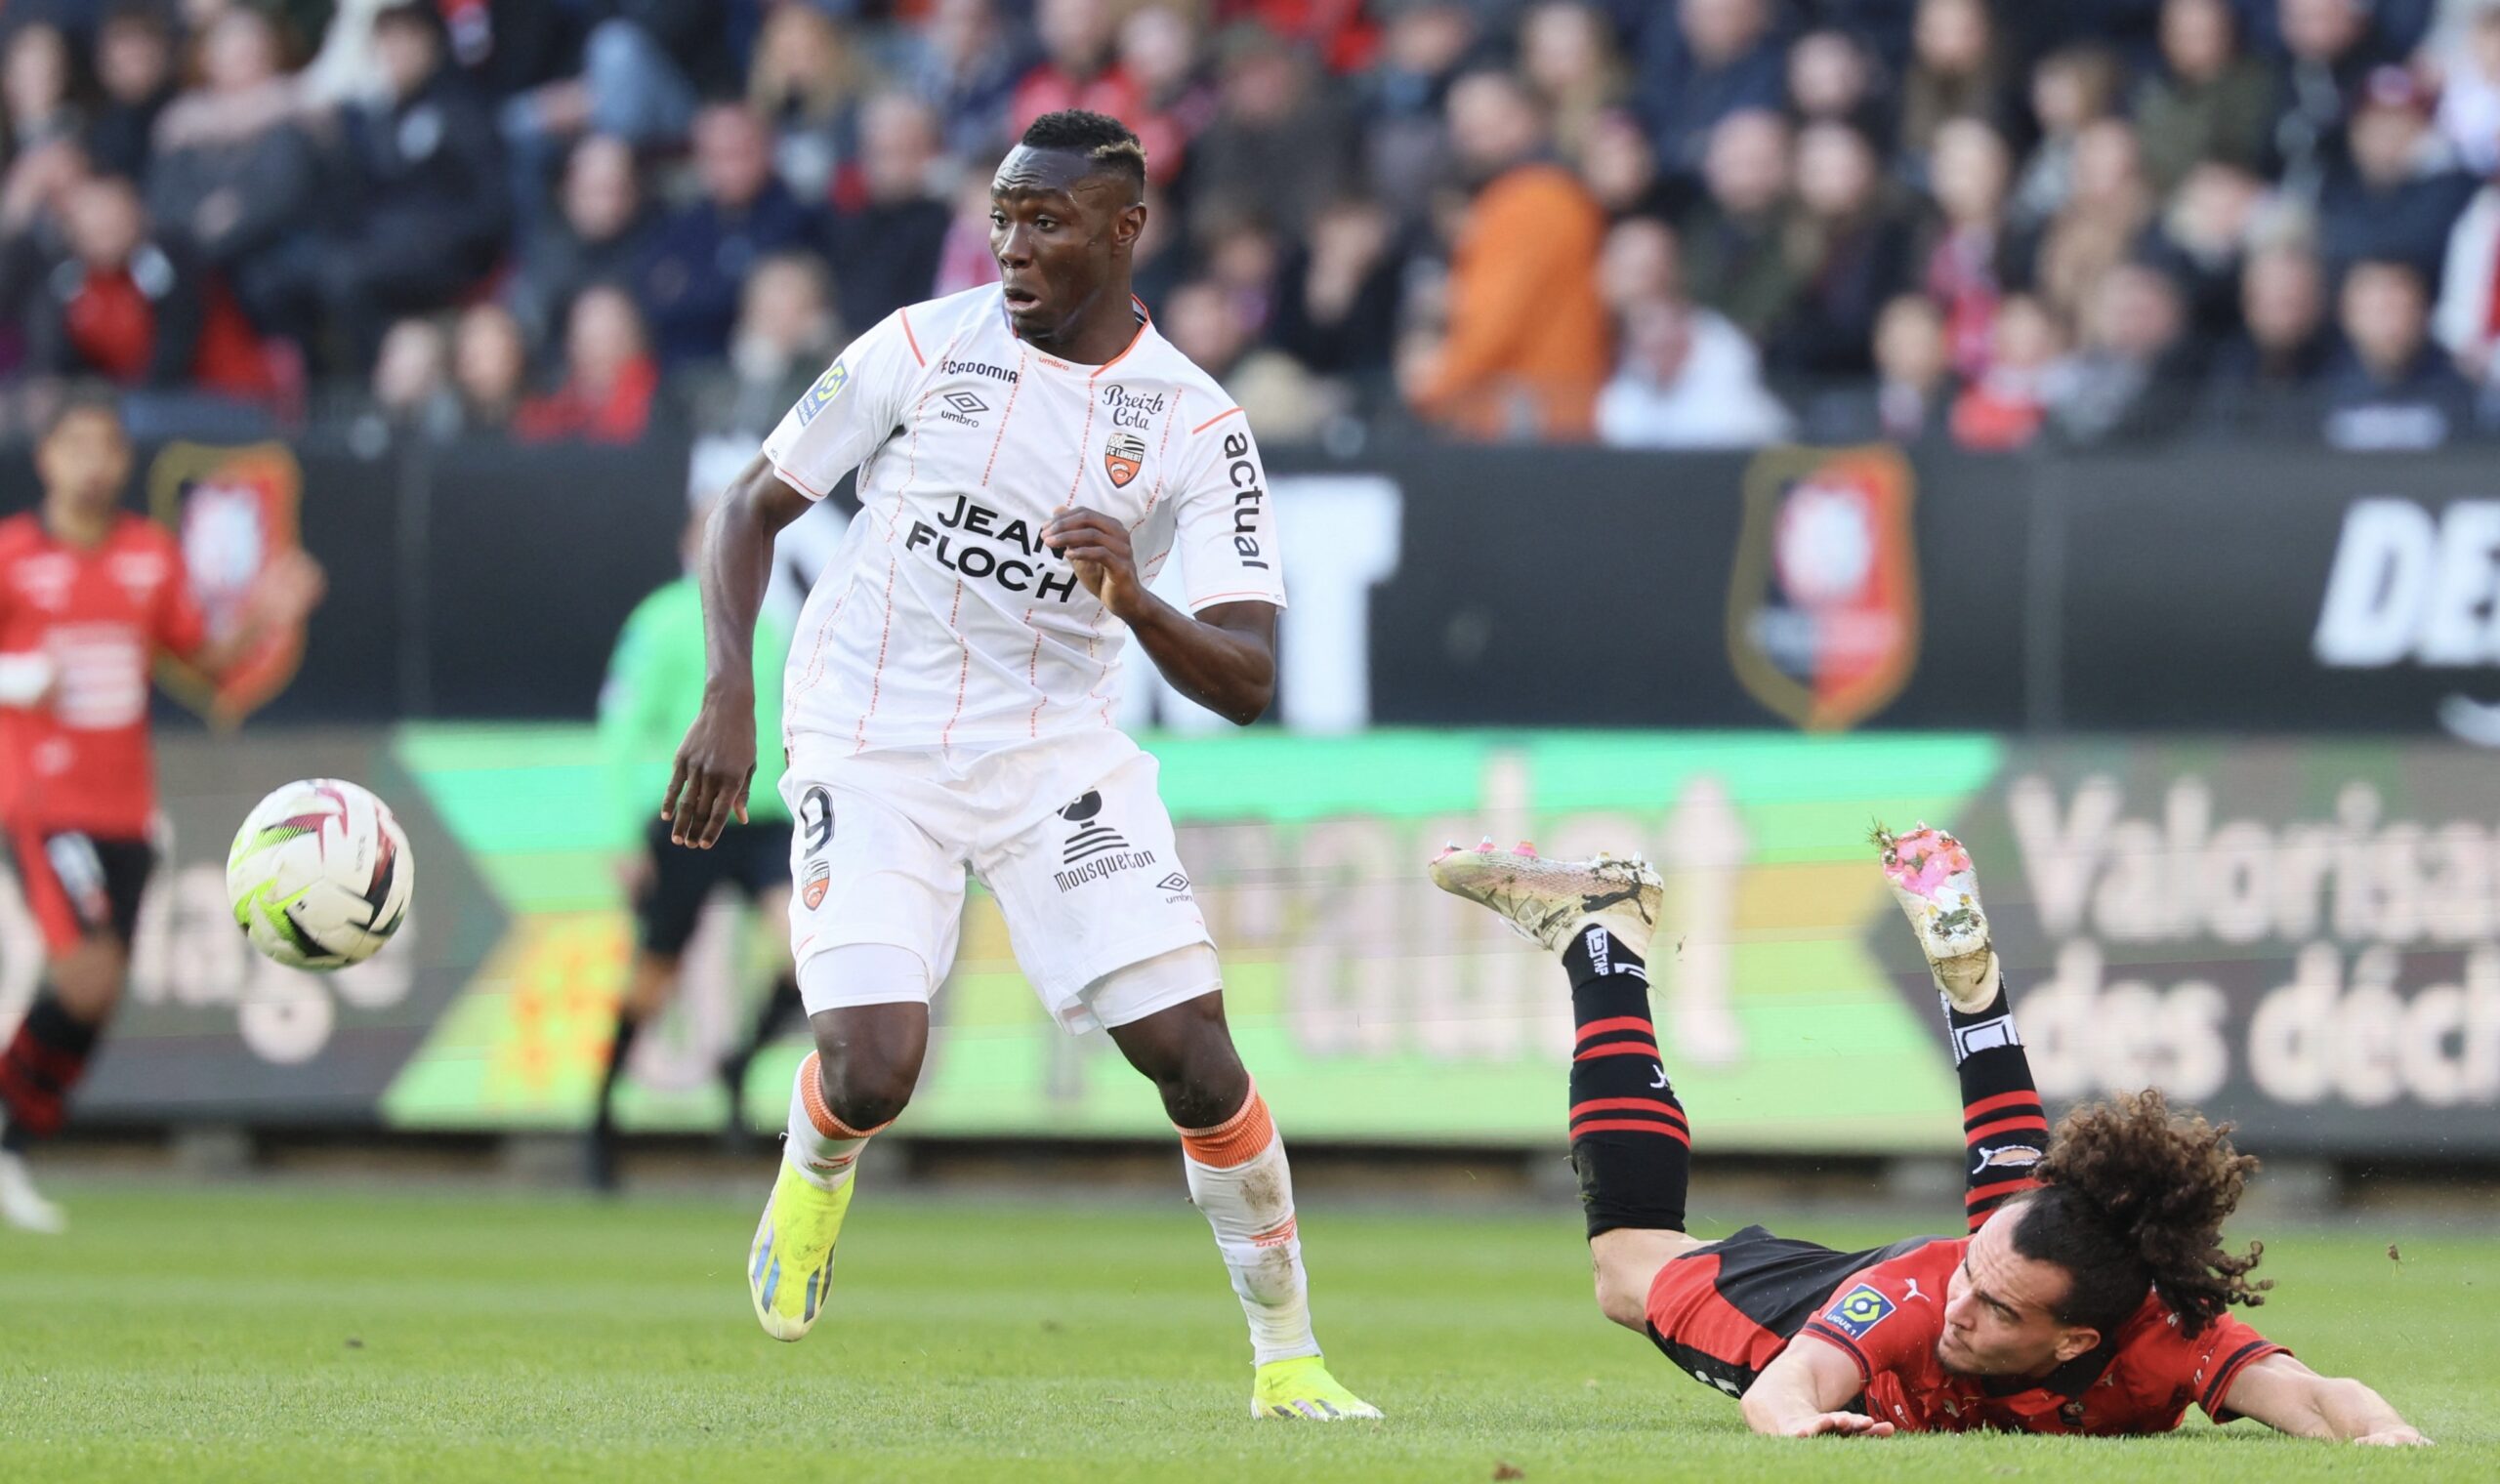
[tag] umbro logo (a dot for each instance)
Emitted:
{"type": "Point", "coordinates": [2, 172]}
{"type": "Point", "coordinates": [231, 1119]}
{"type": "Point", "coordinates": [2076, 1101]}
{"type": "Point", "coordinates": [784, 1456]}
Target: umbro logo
{"type": "Point", "coordinates": [961, 407]}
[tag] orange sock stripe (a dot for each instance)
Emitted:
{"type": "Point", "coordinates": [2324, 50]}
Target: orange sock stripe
{"type": "Point", "coordinates": [812, 1093]}
{"type": "Point", "coordinates": [1275, 1236]}
{"type": "Point", "coordinates": [1235, 1141]}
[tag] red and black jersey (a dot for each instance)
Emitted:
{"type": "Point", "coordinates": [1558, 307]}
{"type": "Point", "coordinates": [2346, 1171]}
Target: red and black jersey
{"type": "Point", "coordinates": [1888, 1317]}
{"type": "Point", "coordinates": [79, 760]}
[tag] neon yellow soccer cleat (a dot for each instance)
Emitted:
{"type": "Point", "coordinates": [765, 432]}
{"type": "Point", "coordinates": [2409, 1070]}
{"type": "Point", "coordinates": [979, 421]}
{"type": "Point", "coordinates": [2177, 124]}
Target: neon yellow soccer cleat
{"type": "Point", "coordinates": [1301, 1389]}
{"type": "Point", "coordinates": [790, 1267]}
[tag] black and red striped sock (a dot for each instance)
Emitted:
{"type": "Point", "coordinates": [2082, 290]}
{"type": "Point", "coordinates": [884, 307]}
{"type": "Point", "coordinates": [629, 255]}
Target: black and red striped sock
{"type": "Point", "coordinates": [2005, 1129]}
{"type": "Point", "coordinates": [43, 1062]}
{"type": "Point", "coordinates": [1629, 1139]}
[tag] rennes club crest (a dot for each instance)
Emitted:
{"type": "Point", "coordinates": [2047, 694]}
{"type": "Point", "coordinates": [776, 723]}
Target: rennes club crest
{"type": "Point", "coordinates": [1823, 611]}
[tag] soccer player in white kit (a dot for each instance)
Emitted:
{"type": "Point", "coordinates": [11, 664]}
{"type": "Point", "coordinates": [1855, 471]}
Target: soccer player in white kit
{"type": "Point", "coordinates": [1030, 454]}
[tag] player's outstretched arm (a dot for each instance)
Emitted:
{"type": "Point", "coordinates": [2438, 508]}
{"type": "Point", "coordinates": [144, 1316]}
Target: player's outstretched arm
{"type": "Point", "coordinates": [1802, 1392]}
{"type": "Point", "coordinates": [1224, 659]}
{"type": "Point", "coordinates": [2290, 1397]}
{"type": "Point", "coordinates": [716, 761]}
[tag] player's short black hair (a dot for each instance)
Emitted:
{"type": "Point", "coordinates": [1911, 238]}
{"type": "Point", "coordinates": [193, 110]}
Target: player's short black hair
{"type": "Point", "coordinates": [74, 397]}
{"type": "Point", "coordinates": [1111, 145]}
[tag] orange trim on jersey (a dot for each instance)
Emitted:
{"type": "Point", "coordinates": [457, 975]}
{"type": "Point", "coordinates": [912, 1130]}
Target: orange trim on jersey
{"type": "Point", "coordinates": [1632, 1126]}
{"type": "Point", "coordinates": [1209, 602]}
{"type": "Point", "coordinates": [1211, 422]}
{"type": "Point", "coordinates": [910, 339]}
{"type": "Point", "coordinates": [2027, 1098]}
{"type": "Point", "coordinates": [1235, 1141]}
{"type": "Point", "coordinates": [811, 1096]}
{"type": "Point", "coordinates": [799, 484]}
{"type": "Point", "coordinates": [1145, 322]}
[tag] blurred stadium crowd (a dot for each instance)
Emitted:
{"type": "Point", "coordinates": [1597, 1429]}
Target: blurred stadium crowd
{"type": "Point", "coordinates": [1656, 222]}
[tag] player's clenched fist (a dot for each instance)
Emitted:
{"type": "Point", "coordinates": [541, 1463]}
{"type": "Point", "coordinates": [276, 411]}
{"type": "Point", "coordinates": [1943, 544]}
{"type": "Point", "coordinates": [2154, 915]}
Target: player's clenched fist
{"type": "Point", "coordinates": [715, 763]}
{"type": "Point", "coordinates": [1098, 547]}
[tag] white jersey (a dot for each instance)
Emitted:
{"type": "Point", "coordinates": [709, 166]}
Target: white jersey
{"type": "Point", "coordinates": [943, 624]}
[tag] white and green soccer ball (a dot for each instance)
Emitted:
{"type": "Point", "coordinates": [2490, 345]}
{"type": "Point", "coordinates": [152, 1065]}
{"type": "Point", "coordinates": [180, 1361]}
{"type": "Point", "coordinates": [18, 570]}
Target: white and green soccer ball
{"type": "Point", "coordinates": [320, 875]}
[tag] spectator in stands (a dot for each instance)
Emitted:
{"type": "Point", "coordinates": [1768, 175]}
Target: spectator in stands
{"type": "Point", "coordinates": [1567, 54]}
{"type": "Point", "coordinates": [598, 235]}
{"type": "Point", "coordinates": [1526, 345]}
{"type": "Point", "coordinates": [2128, 382]}
{"type": "Point", "coordinates": [1954, 73]}
{"type": "Point", "coordinates": [804, 82]}
{"type": "Point", "coordinates": [1831, 79]}
{"type": "Point", "coordinates": [888, 240]}
{"type": "Point", "coordinates": [1664, 395]}
{"type": "Point", "coordinates": [1971, 255]}
{"type": "Point", "coordinates": [2327, 58]}
{"type": "Point", "coordinates": [2070, 90]}
{"type": "Point", "coordinates": [1735, 241]}
{"type": "Point", "coordinates": [1911, 394]}
{"type": "Point", "coordinates": [1337, 292]}
{"type": "Point", "coordinates": [1852, 251]}
{"type": "Point", "coordinates": [1079, 66]}
{"type": "Point", "coordinates": [2103, 222]}
{"type": "Point", "coordinates": [644, 67]}
{"type": "Point", "coordinates": [1707, 59]}
{"type": "Point", "coordinates": [1642, 263]}
{"type": "Point", "coordinates": [234, 173]}
{"type": "Point", "coordinates": [2467, 320]}
{"type": "Point", "coordinates": [36, 75]}
{"type": "Point", "coordinates": [136, 309]}
{"type": "Point", "coordinates": [424, 175]}
{"type": "Point", "coordinates": [609, 376]}
{"type": "Point", "coordinates": [689, 277]}
{"type": "Point", "coordinates": [33, 197]}
{"type": "Point", "coordinates": [2203, 238]}
{"type": "Point", "coordinates": [489, 368]}
{"type": "Point", "coordinates": [788, 333]}
{"type": "Point", "coordinates": [1275, 143]}
{"type": "Point", "coordinates": [1402, 99]}
{"type": "Point", "coordinates": [968, 68]}
{"type": "Point", "coordinates": [1201, 319]}
{"type": "Point", "coordinates": [1620, 167]}
{"type": "Point", "coordinates": [2401, 192]}
{"type": "Point", "coordinates": [412, 381]}
{"type": "Point", "coordinates": [1158, 45]}
{"type": "Point", "coordinates": [2265, 378]}
{"type": "Point", "coordinates": [2003, 407]}
{"type": "Point", "coordinates": [134, 72]}
{"type": "Point", "coordinates": [964, 261]}
{"type": "Point", "coordinates": [2470, 94]}
{"type": "Point", "coordinates": [2207, 101]}
{"type": "Point", "coordinates": [2392, 388]}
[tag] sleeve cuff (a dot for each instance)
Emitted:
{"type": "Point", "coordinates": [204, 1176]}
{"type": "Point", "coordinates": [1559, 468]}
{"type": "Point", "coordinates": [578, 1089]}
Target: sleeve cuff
{"type": "Point", "coordinates": [2240, 1360]}
{"type": "Point", "coordinates": [1832, 1337]}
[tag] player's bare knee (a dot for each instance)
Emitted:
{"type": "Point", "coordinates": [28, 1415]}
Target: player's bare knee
{"type": "Point", "coordinates": [868, 1058]}
{"type": "Point", "coordinates": [88, 978]}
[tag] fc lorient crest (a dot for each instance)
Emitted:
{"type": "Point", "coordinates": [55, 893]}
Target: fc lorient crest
{"type": "Point", "coordinates": [1823, 610]}
{"type": "Point", "coordinates": [1123, 456]}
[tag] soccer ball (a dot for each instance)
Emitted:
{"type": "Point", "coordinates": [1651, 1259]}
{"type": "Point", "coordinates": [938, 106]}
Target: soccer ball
{"type": "Point", "coordinates": [320, 875]}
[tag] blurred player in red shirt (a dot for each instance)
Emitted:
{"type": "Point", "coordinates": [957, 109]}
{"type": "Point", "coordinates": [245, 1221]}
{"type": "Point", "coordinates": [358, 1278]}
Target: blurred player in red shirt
{"type": "Point", "coordinates": [2091, 1295]}
{"type": "Point", "coordinates": [90, 596]}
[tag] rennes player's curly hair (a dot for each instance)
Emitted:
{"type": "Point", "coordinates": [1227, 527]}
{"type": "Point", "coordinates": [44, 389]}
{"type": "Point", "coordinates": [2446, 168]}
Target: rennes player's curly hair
{"type": "Point", "coordinates": [2134, 1195]}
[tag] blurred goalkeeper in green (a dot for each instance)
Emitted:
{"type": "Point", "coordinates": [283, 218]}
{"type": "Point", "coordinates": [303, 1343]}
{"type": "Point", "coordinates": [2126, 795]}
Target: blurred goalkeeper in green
{"type": "Point", "coordinates": [654, 689]}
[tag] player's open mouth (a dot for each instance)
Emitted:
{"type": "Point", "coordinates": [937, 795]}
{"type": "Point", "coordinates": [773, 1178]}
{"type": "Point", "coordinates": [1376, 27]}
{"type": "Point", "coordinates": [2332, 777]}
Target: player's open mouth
{"type": "Point", "coordinates": [1022, 299]}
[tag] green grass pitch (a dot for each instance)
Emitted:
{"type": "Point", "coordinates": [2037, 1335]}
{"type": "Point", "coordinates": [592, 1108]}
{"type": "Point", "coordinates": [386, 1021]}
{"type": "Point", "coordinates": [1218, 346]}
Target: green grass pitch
{"type": "Point", "coordinates": [308, 1333]}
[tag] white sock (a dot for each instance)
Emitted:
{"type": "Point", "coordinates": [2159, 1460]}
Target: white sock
{"type": "Point", "coordinates": [821, 1147]}
{"type": "Point", "coordinates": [1238, 1176]}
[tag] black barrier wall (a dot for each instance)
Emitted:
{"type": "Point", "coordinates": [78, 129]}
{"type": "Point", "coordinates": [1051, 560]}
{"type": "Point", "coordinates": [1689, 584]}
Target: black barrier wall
{"type": "Point", "coordinates": [2223, 588]}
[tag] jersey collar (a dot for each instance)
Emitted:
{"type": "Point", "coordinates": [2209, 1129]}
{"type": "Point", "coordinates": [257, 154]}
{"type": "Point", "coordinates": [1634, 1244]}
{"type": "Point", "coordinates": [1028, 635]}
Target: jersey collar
{"type": "Point", "coordinates": [1136, 307]}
